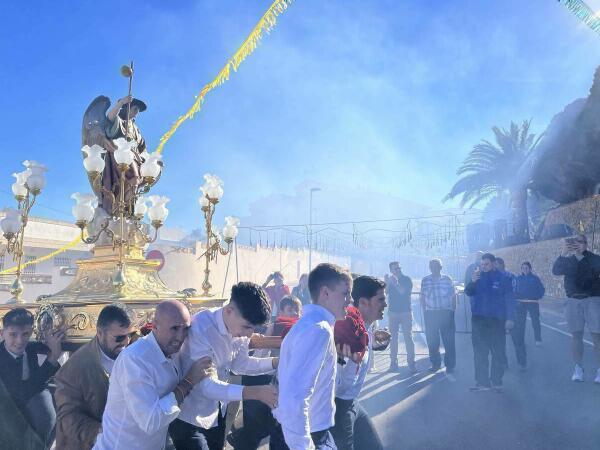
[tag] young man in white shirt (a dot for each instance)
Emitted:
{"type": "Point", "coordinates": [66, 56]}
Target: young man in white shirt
{"type": "Point", "coordinates": [147, 385]}
{"type": "Point", "coordinates": [353, 428]}
{"type": "Point", "coordinates": [224, 336]}
{"type": "Point", "coordinates": [308, 365]}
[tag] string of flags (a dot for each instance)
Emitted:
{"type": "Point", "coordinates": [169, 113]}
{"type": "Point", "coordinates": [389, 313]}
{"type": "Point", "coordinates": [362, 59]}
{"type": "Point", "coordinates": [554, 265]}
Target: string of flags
{"type": "Point", "coordinates": [584, 13]}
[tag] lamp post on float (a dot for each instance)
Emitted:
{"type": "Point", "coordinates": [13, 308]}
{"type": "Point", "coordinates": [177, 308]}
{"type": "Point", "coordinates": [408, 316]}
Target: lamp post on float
{"type": "Point", "coordinates": [27, 187]}
{"type": "Point", "coordinates": [212, 191]}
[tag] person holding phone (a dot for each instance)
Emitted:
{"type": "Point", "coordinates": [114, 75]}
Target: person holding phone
{"type": "Point", "coordinates": [581, 271]}
{"type": "Point", "coordinates": [275, 291]}
{"type": "Point", "coordinates": [492, 310]}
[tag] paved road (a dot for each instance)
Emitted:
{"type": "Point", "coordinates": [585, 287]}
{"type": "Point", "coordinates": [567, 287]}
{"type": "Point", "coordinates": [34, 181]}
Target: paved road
{"type": "Point", "coordinates": [539, 409]}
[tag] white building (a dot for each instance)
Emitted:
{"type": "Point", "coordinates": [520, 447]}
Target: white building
{"type": "Point", "coordinates": [183, 262]}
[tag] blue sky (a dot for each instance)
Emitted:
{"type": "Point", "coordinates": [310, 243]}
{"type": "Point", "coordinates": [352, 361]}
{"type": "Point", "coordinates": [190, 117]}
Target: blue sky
{"type": "Point", "coordinates": [376, 96]}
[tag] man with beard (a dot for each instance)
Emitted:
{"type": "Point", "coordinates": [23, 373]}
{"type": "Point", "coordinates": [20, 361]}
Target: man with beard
{"type": "Point", "coordinates": [82, 382]}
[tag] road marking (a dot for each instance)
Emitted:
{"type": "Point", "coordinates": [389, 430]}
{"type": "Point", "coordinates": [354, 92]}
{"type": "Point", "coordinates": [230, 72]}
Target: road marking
{"type": "Point", "coordinates": [558, 330]}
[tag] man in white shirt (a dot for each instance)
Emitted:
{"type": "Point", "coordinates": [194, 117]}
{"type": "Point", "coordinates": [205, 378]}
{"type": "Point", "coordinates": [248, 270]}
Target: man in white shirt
{"type": "Point", "coordinates": [308, 365]}
{"type": "Point", "coordinates": [353, 428]}
{"type": "Point", "coordinates": [147, 385]}
{"type": "Point", "coordinates": [224, 336]}
{"type": "Point", "coordinates": [438, 300]}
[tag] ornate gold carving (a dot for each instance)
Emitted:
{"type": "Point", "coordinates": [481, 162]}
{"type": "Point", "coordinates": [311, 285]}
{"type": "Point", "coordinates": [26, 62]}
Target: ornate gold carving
{"type": "Point", "coordinates": [77, 307]}
{"type": "Point", "coordinates": [80, 321]}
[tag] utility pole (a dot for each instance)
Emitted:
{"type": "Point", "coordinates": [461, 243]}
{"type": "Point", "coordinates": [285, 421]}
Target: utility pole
{"type": "Point", "coordinates": [310, 233]}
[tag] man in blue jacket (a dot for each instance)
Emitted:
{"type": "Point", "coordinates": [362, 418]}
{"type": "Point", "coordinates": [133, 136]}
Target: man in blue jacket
{"type": "Point", "coordinates": [492, 309]}
{"type": "Point", "coordinates": [528, 291]}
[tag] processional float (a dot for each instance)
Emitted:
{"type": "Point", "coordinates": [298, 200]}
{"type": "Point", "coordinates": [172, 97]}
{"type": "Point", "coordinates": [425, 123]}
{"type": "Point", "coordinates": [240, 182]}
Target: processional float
{"type": "Point", "coordinates": [121, 173]}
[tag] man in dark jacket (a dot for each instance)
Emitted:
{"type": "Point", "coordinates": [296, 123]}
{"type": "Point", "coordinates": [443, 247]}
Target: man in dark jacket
{"type": "Point", "coordinates": [82, 383]}
{"type": "Point", "coordinates": [492, 309]}
{"type": "Point", "coordinates": [528, 291]}
{"type": "Point", "coordinates": [23, 377]}
{"type": "Point", "coordinates": [581, 271]}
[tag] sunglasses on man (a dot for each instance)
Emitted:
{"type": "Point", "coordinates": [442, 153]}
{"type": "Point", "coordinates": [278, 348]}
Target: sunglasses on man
{"type": "Point", "coordinates": [121, 337]}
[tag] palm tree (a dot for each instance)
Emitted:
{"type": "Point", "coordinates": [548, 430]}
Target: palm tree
{"type": "Point", "coordinates": [490, 171]}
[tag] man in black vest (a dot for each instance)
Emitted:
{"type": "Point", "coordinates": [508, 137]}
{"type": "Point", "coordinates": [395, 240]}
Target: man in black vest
{"type": "Point", "coordinates": [24, 378]}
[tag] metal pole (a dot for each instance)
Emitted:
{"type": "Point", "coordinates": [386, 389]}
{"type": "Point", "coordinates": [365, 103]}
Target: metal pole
{"type": "Point", "coordinates": [310, 233]}
{"type": "Point", "coordinates": [129, 104]}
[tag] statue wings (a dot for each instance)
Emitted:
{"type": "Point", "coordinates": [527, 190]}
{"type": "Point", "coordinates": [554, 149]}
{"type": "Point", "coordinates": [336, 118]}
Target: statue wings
{"type": "Point", "coordinates": [93, 130]}
{"type": "Point", "coordinates": [94, 123]}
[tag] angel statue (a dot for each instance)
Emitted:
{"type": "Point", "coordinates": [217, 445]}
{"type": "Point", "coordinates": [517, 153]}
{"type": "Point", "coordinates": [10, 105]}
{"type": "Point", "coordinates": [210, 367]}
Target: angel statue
{"type": "Point", "coordinates": [102, 128]}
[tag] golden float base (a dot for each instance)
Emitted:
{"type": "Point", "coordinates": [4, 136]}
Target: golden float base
{"type": "Point", "coordinates": [100, 281]}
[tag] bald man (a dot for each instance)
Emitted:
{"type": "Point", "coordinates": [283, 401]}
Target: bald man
{"type": "Point", "coordinates": [147, 386]}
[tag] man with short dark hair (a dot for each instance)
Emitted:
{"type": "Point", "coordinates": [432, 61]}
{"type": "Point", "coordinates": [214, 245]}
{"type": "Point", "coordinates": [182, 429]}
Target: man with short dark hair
{"type": "Point", "coordinates": [353, 429]}
{"type": "Point", "coordinates": [308, 365]}
{"type": "Point", "coordinates": [82, 382]}
{"type": "Point", "coordinates": [399, 291]}
{"type": "Point", "coordinates": [25, 379]}
{"type": "Point", "coordinates": [147, 384]}
{"type": "Point", "coordinates": [223, 335]}
{"type": "Point", "coordinates": [438, 300]}
{"type": "Point", "coordinates": [258, 418]}
{"type": "Point", "coordinates": [492, 313]}
{"type": "Point", "coordinates": [500, 266]}
{"type": "Point", "coordinates": [529, 289]}
{"type": "Point", "coordinates": [581, 271]}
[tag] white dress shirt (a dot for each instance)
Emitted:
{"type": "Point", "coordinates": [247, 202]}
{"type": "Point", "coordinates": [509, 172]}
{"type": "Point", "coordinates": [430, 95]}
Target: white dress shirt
{"type": "Point", "coordinates": [307, 367]}
{"type": "Point", "coordinates": [351, 376]}
{"type": "Point", "coordinates": [140, 404]}
{"type": "Point", "coordinates": [208, 336]}
{"type": "Point", "coordinates": [106, 362]}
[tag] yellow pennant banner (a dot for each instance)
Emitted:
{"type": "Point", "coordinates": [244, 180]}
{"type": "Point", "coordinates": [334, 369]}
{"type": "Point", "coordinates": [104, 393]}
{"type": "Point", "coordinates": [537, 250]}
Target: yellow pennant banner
{"type": "Point", "coordinates": [64, 248]}
{"type": "Point", "coordinates": [265, 24]}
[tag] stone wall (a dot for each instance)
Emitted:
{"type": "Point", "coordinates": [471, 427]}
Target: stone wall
{"type": "Point", "coordinates": [580, 215]}
{"type": "Point", "coordinates": [541, 255]}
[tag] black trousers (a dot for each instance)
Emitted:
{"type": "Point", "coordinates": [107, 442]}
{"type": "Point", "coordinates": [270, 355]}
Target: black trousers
{"type": "Point", "coordinates": [489, 337]}
{"type": "Point", "coordinates": [353, 429]}
{"type": "Point", "coordinates": [186, 436]}
{"type": "Point", "coordinates": [321, 439]}
{"type": "Point", "coordinates": [518, 332]}
{"type": "Point", "coordinates": [258, 419]}
{"type": "Point", "coordinates": [440, 323]}
{"type": "Point", "coordinates": [533, 308]}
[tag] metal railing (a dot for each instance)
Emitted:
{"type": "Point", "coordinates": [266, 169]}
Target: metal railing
{"type": "Point", "coordinates": [462, 314]}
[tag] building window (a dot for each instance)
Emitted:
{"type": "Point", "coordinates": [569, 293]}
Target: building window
{"type": "Point", "coordinates": [31, 268]}
{"type": "Point", "coordinates": [62, 261]}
